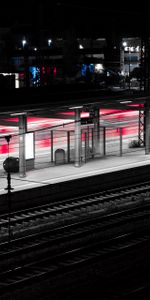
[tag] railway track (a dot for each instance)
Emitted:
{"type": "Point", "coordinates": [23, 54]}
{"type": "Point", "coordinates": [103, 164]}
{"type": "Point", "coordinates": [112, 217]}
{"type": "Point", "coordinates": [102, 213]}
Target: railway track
{"type": "Point", "coordinates": [70, 260]}
{"type": "Point", "coordinates": [72, 242]}
{"type": "Point", "coordinates": [23, 249]}
{"type": "Point", "coordinates": [66, 210]}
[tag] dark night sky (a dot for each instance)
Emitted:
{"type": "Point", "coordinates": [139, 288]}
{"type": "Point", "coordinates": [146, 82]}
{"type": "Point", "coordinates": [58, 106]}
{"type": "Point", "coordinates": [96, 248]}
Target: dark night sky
{"type": "Point", "coordinates": [17, 7]}
{"type": "Point", "coordinates": [99, 16]}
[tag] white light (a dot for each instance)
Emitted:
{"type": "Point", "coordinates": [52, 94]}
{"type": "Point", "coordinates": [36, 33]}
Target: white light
{"type": "Point", "coordinates": [137, 48]}
{"type": "Point", "coordinates": [24, 42]}
{"type": "Point", "coordinates": [98, 67]}
{"type": "Point", "coordinates": [132, 49]}
{"type": "Point", "coordinates": [124, 44]}
{"type": "Point", "coordinates": [80, 46]}
{"type": "Point", "coordinates": [126, 101]}
{"type": "Point", "coordinates": [122, 72]}
{"type": "Point", "coordinates": [16, 80]}
{"type": "Point", "coordinates": [18, 114]}
{"type": "Point", "coordinates": [49, 42]}
{"type": "Point", "coordinates": [76, 107]}
{"type": "Point", "coordinates": [35, 49]}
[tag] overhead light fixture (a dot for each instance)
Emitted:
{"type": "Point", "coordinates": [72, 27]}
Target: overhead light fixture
{"type": "Point", "coordinates": [127, 101]}
{"type": "Point", "coordinates": [18, 114]}
{"type": "Point", "coordinates": [76, 107]}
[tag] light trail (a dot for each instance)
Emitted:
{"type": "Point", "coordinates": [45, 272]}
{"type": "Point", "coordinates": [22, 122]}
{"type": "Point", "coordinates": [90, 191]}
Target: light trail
{"type": "Point", "coordinates": [108, 117]}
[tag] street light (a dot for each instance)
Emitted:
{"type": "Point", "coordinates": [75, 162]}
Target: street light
{"type": "Point", "coordinates": [49, 42]}
{"type": "Point", "coordinates": [24, 42]}
{"type": "Point", "coordinates": [26, 64]}
{"type": "Point", "coordinates": [129, 49]}
{"type": "Point", "coordinates": [129, 67]}
{"type": "Point", "coordinates": [124, 44]}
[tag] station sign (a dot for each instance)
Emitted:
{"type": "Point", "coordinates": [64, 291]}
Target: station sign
{"type": "Point", "coordinates": [86, 121]}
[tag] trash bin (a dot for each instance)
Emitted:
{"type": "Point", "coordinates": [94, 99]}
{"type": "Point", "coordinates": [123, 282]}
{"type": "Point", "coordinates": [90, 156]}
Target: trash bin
{"type": "Point", "coordinates": [59, 156]}
{"type": "Point", "coordinates": [11, 164]}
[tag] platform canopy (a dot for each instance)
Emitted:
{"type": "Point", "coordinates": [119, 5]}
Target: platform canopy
{"type": "Point", "coordinates": [49, 103]}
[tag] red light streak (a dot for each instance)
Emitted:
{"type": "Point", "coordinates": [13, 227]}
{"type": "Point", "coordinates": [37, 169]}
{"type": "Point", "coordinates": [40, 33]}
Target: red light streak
{"type": "Point", "coordinates": [42, 139]}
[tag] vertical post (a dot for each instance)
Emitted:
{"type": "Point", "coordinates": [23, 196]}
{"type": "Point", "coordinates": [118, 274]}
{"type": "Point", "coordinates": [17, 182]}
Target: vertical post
{"type": "Point", "coordinates": [122, 59]}
{"type": "Point", "coordinates": [129, 70]}
{"type": "Point", "coordinates": [85, 147]}
{"type": "Point", "coordinates": [120, 141]}
{"type": "Point", "coordinates": [96, 134]}
{"type": "Point", "coordinates": [22, 131]}
{"type": "Point", "coordinates": [92, 142]}
{"type": "Point", "coordinates": [52, 146]}
{"type": "Point", "coordinates": [104, 141]}
{"type": "Point", "coordinates": [147, 129]}
{"type": "Point", "coordinates": [141, 138]}
{"type": "Point", "coordinates": [9, 188]}
{"type": "Point", "coordinates": [77, 138]}
{"type": "Point", "coordinates": [141, 63]}
{"type": "Point", "coordinates": [68, 146]}
{"type": "Point", "coordinates": [26, 62]}
{"type": "Point", "coordinates": [88, 137]}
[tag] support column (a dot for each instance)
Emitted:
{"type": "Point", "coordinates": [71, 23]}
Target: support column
{"type": "Point", "coordinates": [92, 133]}
{"type": "Point", "coordinates": [122, 60]}
{"type": "Point", "coordinates": [104, 141]}
{"type": "Point", "coordinates": [141, 127]}
{"type": "Point", "coordinates": [96, 132]}
{"type": "Point", "coordinates": [68, 146]}
{"type": "Point", "coordinates": [77, 138]}
{"type": "Point", "coordinates": [85, 147]}
{"type": "Point", "coordinates": [52, 160]}
{"type": "Point", "coordinates": [22, 131]}
{"type": "Point", "coordinates": [120, 141]}
{"type": "Point", "coordinates": [147, 129]}
{"type": "Point", "coordinates": [88, 137]}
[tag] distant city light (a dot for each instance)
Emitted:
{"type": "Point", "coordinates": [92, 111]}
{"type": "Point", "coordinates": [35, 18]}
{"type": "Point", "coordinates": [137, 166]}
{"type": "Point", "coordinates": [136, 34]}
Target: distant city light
{"type": "Point", "coordinates": [80, 46]}
{"type": "Point", "coordinates": [49, 42]}
{"type": "Point", "coordinates": [131, 49]}
{"type": "Point", "coordinates": [124, 44]}
{"type": "Point", "coordinates": [99, 68]}
{"type": "Point", "coordinates": [85, 67]}
{"type": "Point", "coordinates": [16, 80]}
{"type": "Point", "coordinates": [24, 42]}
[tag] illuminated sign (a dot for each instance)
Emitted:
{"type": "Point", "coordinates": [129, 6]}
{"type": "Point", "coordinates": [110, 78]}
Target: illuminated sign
{"type": "Point", "coordinates": [29, 145]}
{"type": "Point", "coordinates": [132, 49]}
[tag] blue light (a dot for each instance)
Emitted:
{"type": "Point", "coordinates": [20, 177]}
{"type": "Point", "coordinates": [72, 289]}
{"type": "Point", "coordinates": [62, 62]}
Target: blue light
{"type": "Point", "coordinates": [91, 68]}
{"type": "Point", "coordinates": [35, 75]}
{"type": "Point", "coordinates": [85, 67]}
{"type": "Point", "coordinates": [83, 70]}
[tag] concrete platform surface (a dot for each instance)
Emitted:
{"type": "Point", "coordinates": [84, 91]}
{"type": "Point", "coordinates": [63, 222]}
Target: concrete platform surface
{"type": "Point", "coordinates": [62, 173]}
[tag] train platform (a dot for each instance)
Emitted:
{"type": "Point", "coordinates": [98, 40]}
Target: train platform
{"type": "Point", "coordinates": [67, 172]}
